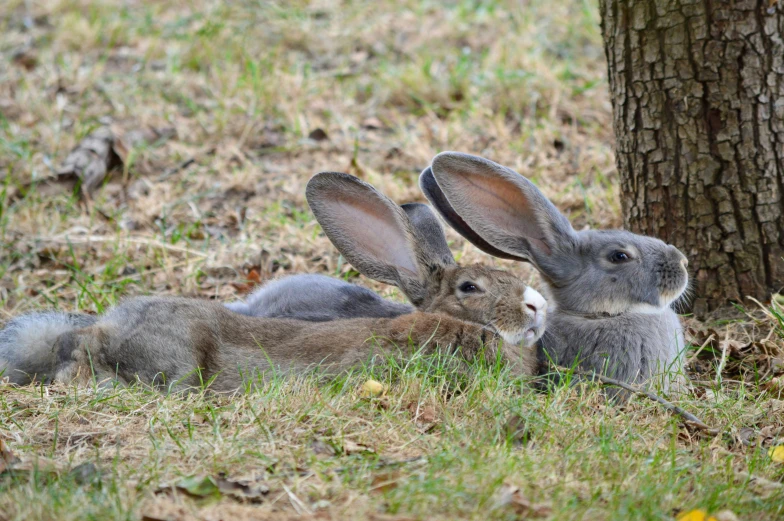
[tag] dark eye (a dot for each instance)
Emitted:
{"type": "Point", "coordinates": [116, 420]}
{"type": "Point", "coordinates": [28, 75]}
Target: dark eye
{"type": "Point", "coordinates": [620, 256]}
{"type": "Point", "coordinates": [468, 287]}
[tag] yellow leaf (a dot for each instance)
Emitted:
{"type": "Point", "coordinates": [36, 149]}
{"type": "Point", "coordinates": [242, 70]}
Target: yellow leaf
{"type": "Point", "coordinates": [777, 454]}
{"type": "Point", "coordinates": [372, 388]}
{"type": "Point", "coordinates": [695, 515]}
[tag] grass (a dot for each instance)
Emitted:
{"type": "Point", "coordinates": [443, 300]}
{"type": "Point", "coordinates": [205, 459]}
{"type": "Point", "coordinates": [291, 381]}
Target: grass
{"type": "Point", "coordinates": [230, 93]}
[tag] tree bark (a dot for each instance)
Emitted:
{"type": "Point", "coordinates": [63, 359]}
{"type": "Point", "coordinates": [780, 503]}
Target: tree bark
{"type": "Point", "coordinates": [698, 102]}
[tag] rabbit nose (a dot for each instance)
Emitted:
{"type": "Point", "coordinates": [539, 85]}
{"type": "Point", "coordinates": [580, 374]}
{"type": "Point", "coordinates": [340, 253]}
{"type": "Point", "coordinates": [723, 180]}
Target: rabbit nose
{"type": "Point", "coordinates": [685, 262]}
{"type": "Point", "coordinates": [534, 302]}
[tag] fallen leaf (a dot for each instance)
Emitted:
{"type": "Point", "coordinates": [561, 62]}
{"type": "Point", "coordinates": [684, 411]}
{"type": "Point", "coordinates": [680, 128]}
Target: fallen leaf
{"type": "Point", "coordinates": [90, 160]}
{"type": "Point", "coordinates": [25, 57]}
{"type": "Point", "coordinates": [775, 385]}
{"type": "Point", "coordinates": [126, 140]}
{"type": "Point", "coordinates": [777, 454]}
{"type": "Point", "coordinates": [350, 447]}
{"type": "Point", "coordinates": [199, 486]}
{"type": "Point", "coordinates": [242, 489]}
{"type": "Point", "coordinates": [372, 388]}
{"type": "Point", "coordinates": [372, 123]}
{"type": "Point", "coordinates": [510, 497]}
{"type": "Point", "coordinates": [7, 458]}
{"type": "Point", "coordinates": [318, 134]}
{"type": "Point", "coordinates": [254, 277]}
{"type": "Point", "coordinates": [37, 464]}
{"type": "Point", "coordinates": [322, 447]}
{"type": "Point", "coordinates": [515, 430]}
{"type": "Point", "coordinates": [85, 473]}
{"type": "Point", "coordinates": [696, 515]}
{"type": "Point", "coordinates": [385, 481]}
{"type": "Point", "coordinates": [425, 416]}
{"type": "Point", "coordinates": [747, 436]}
{"type": "Point", "coordinates": [726, 515]}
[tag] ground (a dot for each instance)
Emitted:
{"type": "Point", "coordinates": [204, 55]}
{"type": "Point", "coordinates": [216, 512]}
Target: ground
{"type": "Point", "coordinates": [222, 111]}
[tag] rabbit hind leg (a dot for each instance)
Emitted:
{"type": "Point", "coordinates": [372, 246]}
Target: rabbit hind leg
{"type": "Point", "coordinates": [80, 358]}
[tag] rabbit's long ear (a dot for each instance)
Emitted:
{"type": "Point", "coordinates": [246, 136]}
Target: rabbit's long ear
{"type": "Point", "coordinates": [503, 208]}
{"type": "Point", "coordinates": [430, 237]}
{"type": "Point", "coordinates": [434, 194]}
{"type": "Point", "coordinates": [372, 232]}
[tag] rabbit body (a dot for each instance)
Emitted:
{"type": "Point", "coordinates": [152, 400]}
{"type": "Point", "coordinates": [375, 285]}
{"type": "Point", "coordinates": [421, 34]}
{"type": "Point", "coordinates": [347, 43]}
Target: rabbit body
{"type": "Point", "coordinates": [632, 347]}
{"type": "Point", "coordinates": [163, 341]}
{"type": "Point", "coordinates": [317, 298]}
{"type": "Point", "coordinates": [27, 341]}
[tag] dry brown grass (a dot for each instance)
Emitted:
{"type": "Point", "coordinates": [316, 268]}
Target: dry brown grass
{"type": "Point", "coordinates": [243, 85]}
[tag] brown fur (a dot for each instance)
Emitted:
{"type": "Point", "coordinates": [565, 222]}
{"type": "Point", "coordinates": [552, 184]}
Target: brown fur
{"type": "Point", "coordinates": [204, 337]}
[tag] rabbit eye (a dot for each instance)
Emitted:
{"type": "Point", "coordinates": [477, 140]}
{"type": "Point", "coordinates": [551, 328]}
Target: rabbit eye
{"type": "Point", "coordinates": [620, 256]}
{"type": "Point", "coordinates": [468, 287]}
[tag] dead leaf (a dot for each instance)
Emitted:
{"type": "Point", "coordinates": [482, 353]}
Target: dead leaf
{"type": "Point", "coordinates": [85, 473]}
{"type": "Point", "coordinates": [199, 486]}
{"type": "Point", "coordinates": [41, 465]}
{"type": "Point", "coordinates": [371, 389]}
{"type": "Point", "coordinates": [242, 489]}
{"type": "Point", "coordinates": [26, 57]}
{"type": "Point", "coordinates": [747, 436]}
{"type": "Point", "coordinates": [775, 406]}
{"type": "Point", "coordinates": [90, 161]}
{"type": "Point", "coordinates": [768, 433]}
{"type": "Point", "coordinates": [696, 515]}
{"type": "Point", "coordinates": [425, 416]}
{"type": "Point", "coordinates": [775, 385]}
{"type": "Point", "coordinates": [10, 109]}
{"type": "Point", "coordinates": [372, 123]}
{"type": "Point", "coordinates": [726, 515]}
{"type": "Point", "coordinates": [127, 140]}
{"type": "Point", "coordinates": [510, 497]}
{"type": "Point", "coordinates": [318, 134]}
{"type": "Point", "coordinates": [254, 277]}
{"type": "Point", "coordinates": [385, 481]}
{"type": "Point", "coordinates": [7, 458]}
{"type": "Point", "coordinates": [777, 454]}
{"type": "Point", "coordinates": [515, 430]}
{"type": "Point", "coordinates": [322, 447]}
{"type": "Point", "coordinates": [350, 447]}
{"type": "Point", "coordinates": [253, 280]}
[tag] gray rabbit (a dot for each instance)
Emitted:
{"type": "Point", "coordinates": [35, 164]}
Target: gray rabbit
{"type": "Point", "coordinates": [26, 341]}
{"type": "Point", "coordinates": [610, 291]}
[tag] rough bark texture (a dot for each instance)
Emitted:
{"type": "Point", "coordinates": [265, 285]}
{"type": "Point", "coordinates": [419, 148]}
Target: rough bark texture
{"type": "Point", "coordinates": [698, 102]}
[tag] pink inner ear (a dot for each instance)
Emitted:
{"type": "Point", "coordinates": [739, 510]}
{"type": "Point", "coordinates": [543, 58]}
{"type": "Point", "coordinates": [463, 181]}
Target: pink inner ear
{"type": "Point", "coordinates": [374, 231]}
{"type": "Point", "coordinates": [503, 207]}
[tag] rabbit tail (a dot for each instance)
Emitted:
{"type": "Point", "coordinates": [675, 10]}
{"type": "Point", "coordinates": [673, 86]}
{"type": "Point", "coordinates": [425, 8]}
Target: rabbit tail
{"type": "Point", "coordinates": [27, 344]}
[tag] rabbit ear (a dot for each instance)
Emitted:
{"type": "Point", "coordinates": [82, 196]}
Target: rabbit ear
{"type": "Point", "coordinates": [429, 234]}
{"type": "Point", "coordinates": [428, 185]}
{"type": "Point", "coordinates": [503, 208]}
{"type": "Point", "coordinates": [372, 232]}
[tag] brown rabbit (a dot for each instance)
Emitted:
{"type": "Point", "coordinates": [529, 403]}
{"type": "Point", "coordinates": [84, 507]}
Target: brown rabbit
{"type": "Point", "coordinates": [186, 342]}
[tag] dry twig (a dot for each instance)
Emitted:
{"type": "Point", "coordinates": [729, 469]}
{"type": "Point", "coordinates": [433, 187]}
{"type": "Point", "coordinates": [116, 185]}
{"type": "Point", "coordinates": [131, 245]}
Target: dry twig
{"type": "Point", "coordinates": [686, 415]}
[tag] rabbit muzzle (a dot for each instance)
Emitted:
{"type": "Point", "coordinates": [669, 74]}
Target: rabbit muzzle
{"type": "Point", "coordinates": [521, 320]}
{"type": "Point", "coordinates": [673, 276]}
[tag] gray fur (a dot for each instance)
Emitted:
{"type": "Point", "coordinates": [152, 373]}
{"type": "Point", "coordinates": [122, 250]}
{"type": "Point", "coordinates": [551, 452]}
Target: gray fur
{"type": "Point", "coordinates": [606, 316]}
{"type": "Point", "coordinates": [26, 344]}
{"type": "Point", "coordinates": [317, 298]}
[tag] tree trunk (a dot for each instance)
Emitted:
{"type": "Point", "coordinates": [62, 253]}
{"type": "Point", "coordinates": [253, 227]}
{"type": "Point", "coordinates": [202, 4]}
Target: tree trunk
{"type": "Point", "coordinates": [698, 101]}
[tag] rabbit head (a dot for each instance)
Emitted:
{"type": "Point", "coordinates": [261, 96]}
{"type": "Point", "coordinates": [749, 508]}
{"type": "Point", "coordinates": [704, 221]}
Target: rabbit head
{"type": "Point", "coordinates": [501, 212]}
{"type": "Point", "coordinates": [405, 246]}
